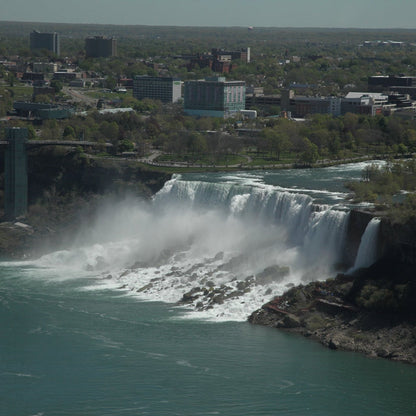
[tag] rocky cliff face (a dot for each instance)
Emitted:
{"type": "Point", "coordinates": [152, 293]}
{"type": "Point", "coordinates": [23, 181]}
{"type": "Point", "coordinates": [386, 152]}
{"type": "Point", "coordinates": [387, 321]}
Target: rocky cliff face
{"type": "Point", "coordinates": [372, 311]}
{"type": "Point", "coordinates": [65, 170]}
{"type": "Point", "coordinates": [65, 189]}
{"type": "Point", "coordinates": [398, 240]}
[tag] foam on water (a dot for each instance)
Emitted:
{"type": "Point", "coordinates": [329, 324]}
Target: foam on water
{"type": "Point", "coordinates": [223, 248]}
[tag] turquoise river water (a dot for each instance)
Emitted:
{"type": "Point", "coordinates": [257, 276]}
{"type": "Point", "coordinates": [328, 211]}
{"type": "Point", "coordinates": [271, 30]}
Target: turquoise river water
{"type": "Point", "coordinates": [94, 330]}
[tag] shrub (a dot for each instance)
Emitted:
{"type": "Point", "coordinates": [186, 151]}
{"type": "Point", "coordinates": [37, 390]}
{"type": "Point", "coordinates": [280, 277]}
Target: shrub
{"type": "Point", "coordinates": [379, 299]}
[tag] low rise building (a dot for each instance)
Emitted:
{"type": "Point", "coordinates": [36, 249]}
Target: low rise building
{"type": "Point", "coordinates": [364, 103]}
{"type": "Point", "coordinates": [220, 60]}
{"type": "Point", "coordinates": [68, 75]}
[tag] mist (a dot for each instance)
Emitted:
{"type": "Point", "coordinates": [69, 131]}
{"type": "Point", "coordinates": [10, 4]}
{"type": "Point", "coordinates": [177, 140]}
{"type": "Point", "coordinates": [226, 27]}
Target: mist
{"type": "Point", "coordinates": [219, 249]}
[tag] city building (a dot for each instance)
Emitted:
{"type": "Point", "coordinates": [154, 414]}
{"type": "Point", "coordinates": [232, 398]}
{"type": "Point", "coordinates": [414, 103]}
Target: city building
{"type": "Point", "coordinates": [243, 55]}
{"type": "Point", "coordinates": [214, 97]}
{"type": "Point", "coordinates": [44, 67]}
{"type": "Point", "coordinates": [381, 82]}
{"type": "Point", "coordinates": [392, 83]}
{"type": "Point", "coordinates": [33, 76]}
{"type": "Point", "coordinates": [298, 106]}
{"type": "Point", "coordinates": [65, 76]}
{"type": "Point", "coordinates": [302, 106]}
{"type": "Point", "coordinates": [48, 41]}
{"type": "Point", "coordinates": [364, 103]}
{"type": "Point", "coordinates": [100, 47]}
{"type": "Point", "coordinates": [220, 60]}
{"type": "Point", "coordinates": [165, 89]}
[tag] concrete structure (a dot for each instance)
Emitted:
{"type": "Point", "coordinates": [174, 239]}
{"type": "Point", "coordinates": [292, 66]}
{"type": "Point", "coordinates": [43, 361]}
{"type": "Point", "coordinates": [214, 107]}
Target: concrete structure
{"type": "Point", "coordinates": [364, 103]}
{"type": "Point", "coordinates": [214, 97]}
{"type": "Point", "coordinates": [15, 203]}
{"type": "Point", "coordinates": [48, 41]}
{"type": "Point", "coordinates": [219, 60]}
{"type": "Point", "coordinates": [354, 102]}
{"type": "Point", "coordinates": [299, 106]}
{"type": "Point", "coordinates": [100, 47]}
{"type": "Point", "coordinates": [249, 114]}
{"type": "Point", "coordinates": [165, 89]}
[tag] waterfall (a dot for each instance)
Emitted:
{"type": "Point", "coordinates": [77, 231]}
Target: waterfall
{"type": "Point", "coordinates": [325, 239]}
{"type": "Point", "coordinates": [367, 250]}
{"type": "Point", "coordinates": [221, 245]}
{"type": "Point", "coordinates": [320, 230]}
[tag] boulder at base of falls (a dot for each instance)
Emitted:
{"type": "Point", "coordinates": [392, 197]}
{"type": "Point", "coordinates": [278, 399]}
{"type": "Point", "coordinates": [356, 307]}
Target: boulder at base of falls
{"type": "Point", "coordinates": [272, 274]}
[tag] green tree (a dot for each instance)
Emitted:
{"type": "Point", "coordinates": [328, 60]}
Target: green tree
{"type": "Point", "coordinates": [56, 85]}
{"type": "Point", "coordinates": [125, 145]}
{"type": "Point", "coordinates": [69, 132]}
{"type": "Point", "coordinates": [43, 98]}
{"type": "Point", "coordinates": [11, 79]}
{"type": "Point", "coordinates": [310, 153]}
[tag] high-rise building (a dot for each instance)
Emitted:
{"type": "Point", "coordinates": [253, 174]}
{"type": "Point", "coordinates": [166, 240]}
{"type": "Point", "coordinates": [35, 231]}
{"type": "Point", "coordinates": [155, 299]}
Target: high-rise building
{"type": "Point", "coordinates": [48, 41]}
{"type": "Point", "coordinates": [214, 97]}
{"type": "Point", "coordinates": [165, 89]}
{"type": "Point", "coordinates": [100, 47]}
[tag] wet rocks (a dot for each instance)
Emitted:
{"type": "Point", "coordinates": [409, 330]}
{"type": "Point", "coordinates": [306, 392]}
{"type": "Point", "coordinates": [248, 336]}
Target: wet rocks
{"type": "Point", "coordinates": [190, 296]}
{"type": "Point", "coordinates": [144, 288]}
{"type": "Point", "coordinates": [206, 297]}
{"type": "Point", "coordinates": [272, 274]}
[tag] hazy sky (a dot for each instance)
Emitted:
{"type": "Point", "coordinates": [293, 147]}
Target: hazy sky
{"type": "Point", "coordinates": [278, 13]}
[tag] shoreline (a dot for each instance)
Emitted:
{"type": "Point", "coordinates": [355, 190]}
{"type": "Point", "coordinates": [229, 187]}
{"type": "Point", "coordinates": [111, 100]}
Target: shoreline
{"type": "Point", "coordinates": [326, 313]}
{"type": "Point", "coordinates": [184, 167]}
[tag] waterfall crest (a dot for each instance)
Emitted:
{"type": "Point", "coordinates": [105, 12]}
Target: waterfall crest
{"type": "Point", "coordinates": [318, 229]}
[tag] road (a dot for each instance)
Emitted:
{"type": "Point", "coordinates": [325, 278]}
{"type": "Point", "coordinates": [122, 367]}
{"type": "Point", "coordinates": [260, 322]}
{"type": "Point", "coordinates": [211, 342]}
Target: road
{"type": "Point", "coordinates": [78, 96]}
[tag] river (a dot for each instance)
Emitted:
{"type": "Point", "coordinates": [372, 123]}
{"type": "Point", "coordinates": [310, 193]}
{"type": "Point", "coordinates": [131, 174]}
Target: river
{"type": "Point", "coordinates": [95, 329]}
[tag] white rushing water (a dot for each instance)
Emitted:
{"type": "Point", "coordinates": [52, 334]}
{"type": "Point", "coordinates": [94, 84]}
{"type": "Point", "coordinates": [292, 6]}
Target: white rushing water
{"type": "Point", "coordinates": [367, 252]}
{"type": "Point", "coordinates": [229, 246]}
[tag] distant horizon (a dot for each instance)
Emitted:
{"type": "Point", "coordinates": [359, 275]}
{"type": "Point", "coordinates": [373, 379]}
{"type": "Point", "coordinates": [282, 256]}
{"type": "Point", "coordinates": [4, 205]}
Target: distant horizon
{"type": "Point", "coordinates": [330, 14]}
{"type": "Point", "coordinates": [210, 26]}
